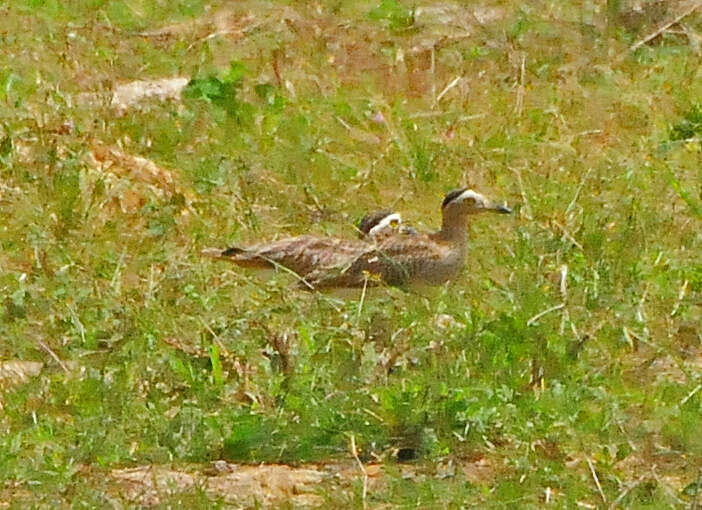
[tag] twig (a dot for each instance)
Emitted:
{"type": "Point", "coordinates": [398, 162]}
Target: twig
{"type": "Point", "coordinates": [432, 70]}
{"type": "Point", "coordinates": [354, 452]}
{"type": "Point", "coordinates": [301, 279]}
{"type": "Point", "coordinates": [577, 192]}
{"type": "Point", "coordinates": [211, 36]}
{"type": "Point", "coordinates": [665, 26]}
{"type": "Point", "coordinates": [686, 140]}
{"type": "Point", "coordinates": [77, 323]}
{"type": "Point", "coordinates": [564, 282]}
{"type": "Point", "coordinates": [334, 157]}
{"type": "Point", "coordinates": [691, 394]}
{"type": "Point", "coordinates": [629, 334]}
{"type": "Point", "coordinates": [692, 39]}
{"type": "Point", "coordinates": [343, 122]}
{"type": "Point", "coordinates": [53, 355]}
{"type": "Point", "coordinates": [630, 337]}
{"type": "Point", "coordinates": [575, 332]}
{"type": "Point", "coordinates": [589, 132]}
{"type": "Point", "coordinates": [459, 118]}
{"type": "Point", "coordinates": [666, 487]}
{"type": "Point", "coordinates": [113, 283]}
{"type": "Point", "coordinates": [567, 235]}
{"type": "Point", "coordinates": [639, 310]}
{"type": "Point", "coordinates": [597, 481]}
{"type": "Point", "coordinates": [626, 491]}
{"type": "Point", "coordinates": [363, 298]}
{"type": "Point", "coordinates": [448, 87]}
{"type": "Point", "coordinates": [681, 295]}
{"type": "Point", "coordinates": [536, 317]}
{"type": "Point", "coordinates": [152, 284]}
{"type": "Point", "coordinates": [565, 318]}
{"type": "Point", "coordinates": [275, 64]}
{"type": "Point", "coordinates": [527, 207]}
{"type": "Point", "coordinates": [519, 103]}
{"type": "Point", "coordinates": [215, 336]}
{"type": "Point", "coordinates": [240, 31]}
{"type": "Point", "coordinates": [374, 415]}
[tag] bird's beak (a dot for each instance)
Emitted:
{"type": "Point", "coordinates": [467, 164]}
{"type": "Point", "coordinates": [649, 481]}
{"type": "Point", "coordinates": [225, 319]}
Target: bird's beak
{"type": "Point", "coordinates": [498, 208]}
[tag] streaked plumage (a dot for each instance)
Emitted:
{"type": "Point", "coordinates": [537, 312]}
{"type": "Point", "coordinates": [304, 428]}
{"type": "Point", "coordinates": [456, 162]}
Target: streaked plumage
{"type": "Point", "coordinates": [301, 254]}
{"type": "Point", "coordinates": [399, 260]}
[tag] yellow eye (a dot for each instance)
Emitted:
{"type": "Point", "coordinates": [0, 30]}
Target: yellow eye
{"type": "Point", "coordinates": [394, 223]}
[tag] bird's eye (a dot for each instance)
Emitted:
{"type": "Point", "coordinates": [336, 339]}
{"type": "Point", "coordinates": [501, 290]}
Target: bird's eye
{"type": "Point", "coordinates": [394, 223]}
{"type": "Point", "coordinates": [470, 201]}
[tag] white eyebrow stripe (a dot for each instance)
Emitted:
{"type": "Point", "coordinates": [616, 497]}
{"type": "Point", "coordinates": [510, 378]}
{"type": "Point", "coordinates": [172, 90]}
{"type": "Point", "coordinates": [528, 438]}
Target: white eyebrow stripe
{"type": "Point", "coordinates": [385, 223]}
{"type": "Point", "coordinates": [469, 193]}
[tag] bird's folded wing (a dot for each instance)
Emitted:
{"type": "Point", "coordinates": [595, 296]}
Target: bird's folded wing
{"type": "Point", "coordinates": [302, 254]}
{"type": "Point", "coordinates": [392, 263]}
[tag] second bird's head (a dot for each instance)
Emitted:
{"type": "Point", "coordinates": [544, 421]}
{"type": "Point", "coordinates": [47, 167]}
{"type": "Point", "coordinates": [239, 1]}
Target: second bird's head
{"type": "Point", "coordinates": [379, 223]}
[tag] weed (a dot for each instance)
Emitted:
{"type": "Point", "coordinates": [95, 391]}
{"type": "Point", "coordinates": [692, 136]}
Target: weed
{"type": "Point", "coordinates": [690, 126]}
{"type": "Point", "coordinates": [222, 92]}
{"type": "Point", "coordinates": [394, 13]}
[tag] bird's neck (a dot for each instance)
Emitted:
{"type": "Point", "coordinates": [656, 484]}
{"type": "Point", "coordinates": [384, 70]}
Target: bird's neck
{"type": "Point", "coordinates": [454, 228]}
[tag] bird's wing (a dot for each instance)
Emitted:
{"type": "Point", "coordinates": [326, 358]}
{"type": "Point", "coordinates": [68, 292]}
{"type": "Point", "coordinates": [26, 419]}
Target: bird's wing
{"type": "Point", "coordinates": [396, 261]}
{"type": "Point", "coordinates": [301, 254]}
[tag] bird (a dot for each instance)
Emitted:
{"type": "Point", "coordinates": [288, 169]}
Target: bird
{"type": "Point", "coordinates": [429, 259]}
{"type": "Point", "coordinates": [306, 254]}
{"type": "Point", "coordinates": [395, 260]}
{"type": "Point", "coordinates": [382, 223]}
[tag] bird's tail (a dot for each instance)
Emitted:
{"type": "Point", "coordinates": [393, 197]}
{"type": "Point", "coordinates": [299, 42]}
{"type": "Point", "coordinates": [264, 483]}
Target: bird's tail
{"type": "Point", "coordinates": [240, 256]}
{"type": "Point", "coordinates": [218, 253]}
{"type": "Point", "coordinates": [230, 252]}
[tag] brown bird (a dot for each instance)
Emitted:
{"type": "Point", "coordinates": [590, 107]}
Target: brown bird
{"type": "Point", "coordinates": [304, 255]}
{"type": "Point", "coordinates": [429, 259]}
{"type": "Point", "coordinates": [400, 260]}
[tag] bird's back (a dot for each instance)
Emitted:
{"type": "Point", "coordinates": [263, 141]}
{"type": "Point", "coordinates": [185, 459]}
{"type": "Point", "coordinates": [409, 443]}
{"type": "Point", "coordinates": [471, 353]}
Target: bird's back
{"type": "Point", "coordinates": [399, 261]}
{"type": "Point", "coordinates": [302, 254]}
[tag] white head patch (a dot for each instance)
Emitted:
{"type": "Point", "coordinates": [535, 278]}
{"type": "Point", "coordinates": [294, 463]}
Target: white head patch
{"type": "Point", "coordinates": [389, 222]}
{"type": "Point", "coordinates": [469, 193]}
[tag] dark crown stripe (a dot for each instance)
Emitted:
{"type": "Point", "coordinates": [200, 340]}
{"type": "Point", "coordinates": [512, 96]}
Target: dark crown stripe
{"type": "Point", "coordinates": [452, 195]}
{"type": "Point", "coordinates": [371, 220]}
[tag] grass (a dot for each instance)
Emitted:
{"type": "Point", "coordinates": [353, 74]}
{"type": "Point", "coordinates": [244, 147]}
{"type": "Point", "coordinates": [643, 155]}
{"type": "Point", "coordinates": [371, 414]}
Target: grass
{"type": "Point", "coordinates": [299, 119]}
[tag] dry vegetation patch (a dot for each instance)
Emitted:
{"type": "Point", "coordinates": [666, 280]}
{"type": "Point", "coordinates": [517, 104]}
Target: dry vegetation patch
{"type": "Point", "coordinates": [271, 484]}
{"type": "Point", "coordinates": [130, 94]}
{"type": "Point", "coordinates": [233, 483]}
{"type": "Point", "coordinates": [17, 371]}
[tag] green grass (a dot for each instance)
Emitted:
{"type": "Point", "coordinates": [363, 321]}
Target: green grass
{"type": "Point", "coordinates": [299, 119]}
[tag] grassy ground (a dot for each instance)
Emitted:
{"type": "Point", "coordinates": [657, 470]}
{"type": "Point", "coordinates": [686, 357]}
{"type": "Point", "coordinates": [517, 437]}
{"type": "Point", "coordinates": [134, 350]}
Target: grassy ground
{"type": "Point", "coordinates": [299, 118]}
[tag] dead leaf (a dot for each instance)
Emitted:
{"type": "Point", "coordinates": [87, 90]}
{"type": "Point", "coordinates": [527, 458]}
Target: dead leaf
{"type": "Point", "coordinates": [18, 371]}
{"type": "Point", "coordinates": [136, 168]}
{"type": "Point", "coordinates": [129, 95]}
{"type": "Point", "coordinates": [479, 471]}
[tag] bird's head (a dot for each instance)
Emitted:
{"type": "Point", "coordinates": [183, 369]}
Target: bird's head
{"type": "Point", "coordinates": [379, 223]}
{"type": "Point", "coordinates": [466, 201]}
